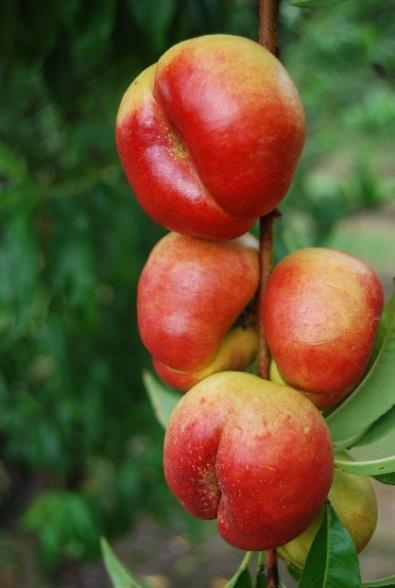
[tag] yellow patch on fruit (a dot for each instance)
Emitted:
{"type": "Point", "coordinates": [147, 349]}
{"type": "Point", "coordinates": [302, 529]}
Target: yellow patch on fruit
{"type": "Point", "coordinates": [138, 91]}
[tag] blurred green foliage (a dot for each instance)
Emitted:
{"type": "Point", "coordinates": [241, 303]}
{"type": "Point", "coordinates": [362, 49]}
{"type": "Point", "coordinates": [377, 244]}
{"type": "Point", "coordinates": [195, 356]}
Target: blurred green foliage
{"type": "Point", "coordinates": [75, 425]}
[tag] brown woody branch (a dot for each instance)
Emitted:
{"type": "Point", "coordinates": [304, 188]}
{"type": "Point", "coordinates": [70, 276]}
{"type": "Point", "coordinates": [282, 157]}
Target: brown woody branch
{"type": "Point", "coordinates": [269, 38]}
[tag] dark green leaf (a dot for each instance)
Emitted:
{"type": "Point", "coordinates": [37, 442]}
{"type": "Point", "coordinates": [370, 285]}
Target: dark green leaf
{"type": "Point", "coordinates": [156, 17]}
{"type": "Point", "coordinates": [261, 580]}
{"type": "Point", "coordinates": [12, 165]}
{"type": "Point", "coordinates": [163, 399]}
{"type": "Point", "coordinates": [294, 571]}
{"type": "Point", "coordinates": [119, 575]}
{"type": "Point", "coordinates": [241, 579]}
{"type": "Point", "coordinates": [374, 396]}
{"type": "Point", "coordinates": [315, 3]}
{"type": "Point", "coordinates": [386, 479]}
{"type": "Point", "coordinates": [332, 560]}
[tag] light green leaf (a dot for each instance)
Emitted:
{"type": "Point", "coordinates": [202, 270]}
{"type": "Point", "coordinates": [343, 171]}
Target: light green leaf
{"type": "Point", "coordinates": [332, 559]}
{"type": "Point", "coordinates": [119, 575]}
{"type": "Point", "coordinates": [163, 399]}
{"type": "Point", "coordinates": [381, 582]}
{"type": "Point", "coordinates": [379, 429]}
{"type": "Point", "coordinates": [374, 396]}
{"type": "Point", "coordinates": [372, 467]}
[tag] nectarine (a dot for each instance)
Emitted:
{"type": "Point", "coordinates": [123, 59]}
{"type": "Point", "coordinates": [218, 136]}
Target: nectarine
{"type": "Point", "coordinates": [191, 294]}
{"type": "Point", "coordinates": [321, 312]}
{"type": "Point", "coordinates": [255, 455]}
{"type": "Point", "coordinates": [354, 501]}
{"type": "Point", "coordinates": [210, 135]}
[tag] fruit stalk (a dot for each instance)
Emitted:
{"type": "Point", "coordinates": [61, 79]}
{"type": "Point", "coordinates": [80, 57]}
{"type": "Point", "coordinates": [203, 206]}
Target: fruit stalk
{"type": "Point", "coordinates": [269, 38]}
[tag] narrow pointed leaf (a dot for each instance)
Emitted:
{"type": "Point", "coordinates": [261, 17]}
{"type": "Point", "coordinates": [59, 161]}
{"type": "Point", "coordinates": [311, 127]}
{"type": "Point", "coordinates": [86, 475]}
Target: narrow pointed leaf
{"type": "Point", "coordinates": [261, 580]}
{"type": "Point", "coordinates": [294, 571]}
{"type": "Point", "coordinates": [316, 3]}
{"type": "Point", "coordinates": [119, 575]}
{"type": "Point", "coordinates": [332, 559]}
{"type": "Point", "coordinates": [388, 582]}
{"type": "Point", "coordinates": [241, 579]}
{"type": "Point", "coordinates": [372, 467]}
{"type": "Point", "coordinates": [163, 399]}
{"type": "Point", "coordinates": [386, 479]}
{"type": "Point", "coordinates": [375, 395]}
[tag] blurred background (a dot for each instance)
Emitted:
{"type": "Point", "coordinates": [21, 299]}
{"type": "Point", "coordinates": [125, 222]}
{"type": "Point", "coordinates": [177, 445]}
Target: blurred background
{"type": "Point", "coordinates": [80, 450]}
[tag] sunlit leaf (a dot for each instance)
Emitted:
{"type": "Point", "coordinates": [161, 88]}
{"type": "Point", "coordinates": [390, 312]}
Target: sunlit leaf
{"type": "Point", "coordinates": [379, 429]}
{"type": "Point", "coordinates": [332, 559]}
{"type": "Point", "coordinates": [119, 575]}
{"type": "Point", "coordinates": [373, 467]}
{"type": "Point", "coordinates": [374, 396]}
{"type": "Point", "coordinates": [163, 399]}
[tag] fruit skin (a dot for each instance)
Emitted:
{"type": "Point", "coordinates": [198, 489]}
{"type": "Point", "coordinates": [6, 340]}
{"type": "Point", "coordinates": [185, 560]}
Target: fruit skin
{"type": "Point", "coordinates": [321, 312]}
{"type": "Point", "coordinates": [210, 135]}
{"type": "Point", "coordinates": [242, 449]}
{"type": "Point", "coordinates": [190, 294]}
{"type": "Point", "coordinates": [354, 501]}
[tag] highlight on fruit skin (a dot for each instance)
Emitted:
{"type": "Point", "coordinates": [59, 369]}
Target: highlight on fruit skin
{"type": "Point", "coordinates": [191, 301]}
{"type": "Point", "coordinates": [210, 135]}
{"type": "Point", "coordinates": [240, 449]}
{"type": "Point", "coordinates": [354, 500]}
{"type": "Point", "coordinates": [321, 312]}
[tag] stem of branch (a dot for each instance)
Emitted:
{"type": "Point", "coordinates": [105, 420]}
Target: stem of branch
{"type": "Point", "coordinates": [269, 38]}
{"type": "Point", "coordinates": [268, 25]}
{"type": "Point", "coordinates": [265, 261]}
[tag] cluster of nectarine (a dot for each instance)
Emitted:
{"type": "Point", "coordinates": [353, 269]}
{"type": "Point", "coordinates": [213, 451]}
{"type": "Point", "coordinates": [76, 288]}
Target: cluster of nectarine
{"type": "Point", "coordinates": [209, 137]}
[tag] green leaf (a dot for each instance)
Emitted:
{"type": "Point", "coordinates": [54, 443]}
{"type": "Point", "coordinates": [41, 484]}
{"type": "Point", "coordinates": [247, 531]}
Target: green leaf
{"type": "Point", "coordinates": [163, 399]}
{"type": "Point", "coordinates": [388, 582]}
{"type": "Point", "coordinates": [374, 396]}
{"type": "Point", "coordinates": [242, 579]}
{"type": "Point", "coordinates": [154, 18]}
{"type": "Point", "coordinates": [11, 164]}
{"type": "Point", "coordinates": [119, 575]}
{"type": "Point", "coordinates": [386, 479]}
{"type": "Point", "coordinates": [332, 559]}
{"type": "Point", "coordinates": [379, 429]}
{"type": "Point", "coordinates": [261, 580]}
{"type": "Point", "coordinates": [316, 3]}
{"type": "Point", "coordinates": [372, 467]}
{"type": "Point", "coordinates": [294, 571]}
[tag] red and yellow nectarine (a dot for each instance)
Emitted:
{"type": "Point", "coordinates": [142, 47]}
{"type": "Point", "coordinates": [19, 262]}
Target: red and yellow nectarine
{"type": "Point", "coordinates": [190, 295]}
{"type": "Point", "coordinates": [255, 455]}
{"type": "Point", "coordinates": [321, 312]}
{"type": "Point", "coordinates": [355, 503]}
{"type": "Point", "coordinates": [210, 136]}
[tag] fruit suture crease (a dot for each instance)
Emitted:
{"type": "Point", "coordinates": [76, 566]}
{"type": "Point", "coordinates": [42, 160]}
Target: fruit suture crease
{"type": "Point", "coordinates": [209, 138]}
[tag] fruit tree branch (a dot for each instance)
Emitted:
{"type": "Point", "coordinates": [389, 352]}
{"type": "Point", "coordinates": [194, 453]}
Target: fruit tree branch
{"type": "Point", "coordinates": [268, 25]}
{"type": "Point", "coordinates": [269, 38]}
